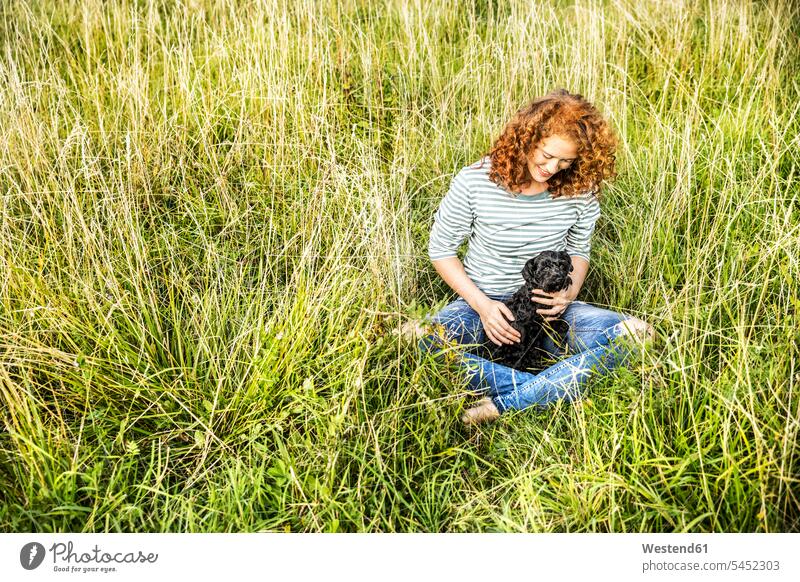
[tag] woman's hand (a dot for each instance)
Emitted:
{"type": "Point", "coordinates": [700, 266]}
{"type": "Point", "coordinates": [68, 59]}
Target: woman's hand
{"type": "Point", "coordinates": [558, 301]}
{"type": "Point", "coordinates": [494, 317]}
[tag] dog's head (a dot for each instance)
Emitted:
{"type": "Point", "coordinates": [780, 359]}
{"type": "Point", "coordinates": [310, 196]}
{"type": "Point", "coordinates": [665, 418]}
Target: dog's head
{"type": "Point", "coordinates": [548, 271]}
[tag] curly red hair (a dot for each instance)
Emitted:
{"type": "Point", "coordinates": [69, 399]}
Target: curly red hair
{"type": "Point", "coordinates": [557, 113]}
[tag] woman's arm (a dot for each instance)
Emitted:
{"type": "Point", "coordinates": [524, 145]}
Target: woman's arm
{"type": "Point", "coordinates": [451, 225]}
{"type": "Point", "coordinates": [580, 267]}
{"type": "Point", "coordinates": [578, 245]}
{"type": "Point", "coordinates": [452, 271]}
{"type": "Point", "coordinates": [491, 312]}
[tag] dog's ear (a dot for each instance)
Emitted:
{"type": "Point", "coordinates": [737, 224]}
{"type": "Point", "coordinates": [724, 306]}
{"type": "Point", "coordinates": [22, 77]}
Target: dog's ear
{"type": "Point", "coordinates": [571, 268]}
{"type": "Point", "coordinates": [529, 270]}
{"type": "Point", "coordinates": [564, 256]}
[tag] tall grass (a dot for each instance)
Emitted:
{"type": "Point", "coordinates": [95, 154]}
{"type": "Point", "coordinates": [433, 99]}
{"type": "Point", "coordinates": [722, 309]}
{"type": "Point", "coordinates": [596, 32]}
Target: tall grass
{"type": "Point", "coordinates": [214, 213]}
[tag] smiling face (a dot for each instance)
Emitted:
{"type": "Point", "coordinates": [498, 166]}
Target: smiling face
{"type": "Point", "coordinates": [553, 154]}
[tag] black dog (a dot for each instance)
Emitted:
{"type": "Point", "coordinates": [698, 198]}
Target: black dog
{"type": "Point", "coordinates": [548, 271]}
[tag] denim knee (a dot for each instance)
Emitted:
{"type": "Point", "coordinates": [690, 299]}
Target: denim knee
{"type": "Point", "coordinates": [590, 326]}
{"type": "Point", "coordinates": [458, 323]}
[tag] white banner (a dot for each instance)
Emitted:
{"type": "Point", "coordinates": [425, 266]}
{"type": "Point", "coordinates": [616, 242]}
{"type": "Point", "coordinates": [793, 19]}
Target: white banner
{"type": "Point", "coordinates": [353, 557]}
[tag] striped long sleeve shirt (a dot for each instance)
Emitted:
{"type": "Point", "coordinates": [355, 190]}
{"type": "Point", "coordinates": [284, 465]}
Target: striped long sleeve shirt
{"type": "Point", "coordinates": [504, 231]}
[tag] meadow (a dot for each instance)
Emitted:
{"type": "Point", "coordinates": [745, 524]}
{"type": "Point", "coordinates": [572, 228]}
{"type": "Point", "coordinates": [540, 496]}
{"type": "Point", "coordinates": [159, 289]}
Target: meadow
{"type": "Point", "coordinates": [214, 217]}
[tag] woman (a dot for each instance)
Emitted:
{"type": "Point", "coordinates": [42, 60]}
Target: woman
{"type": "Point", "coordinates": [538, 189]}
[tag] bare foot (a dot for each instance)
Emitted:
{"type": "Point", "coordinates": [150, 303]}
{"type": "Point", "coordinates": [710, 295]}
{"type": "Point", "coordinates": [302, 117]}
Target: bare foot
{"type": "Point", "coordinates": [483, 411]}
{"type": "Point", "coordinates": [412, 330]}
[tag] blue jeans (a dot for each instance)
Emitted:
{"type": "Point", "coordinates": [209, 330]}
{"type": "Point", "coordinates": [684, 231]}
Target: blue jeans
{"type": "Point", "coordinates": [590, 348]}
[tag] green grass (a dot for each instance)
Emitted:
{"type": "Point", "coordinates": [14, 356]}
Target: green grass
{"type": "Point", "coordinates": [213, 214]}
